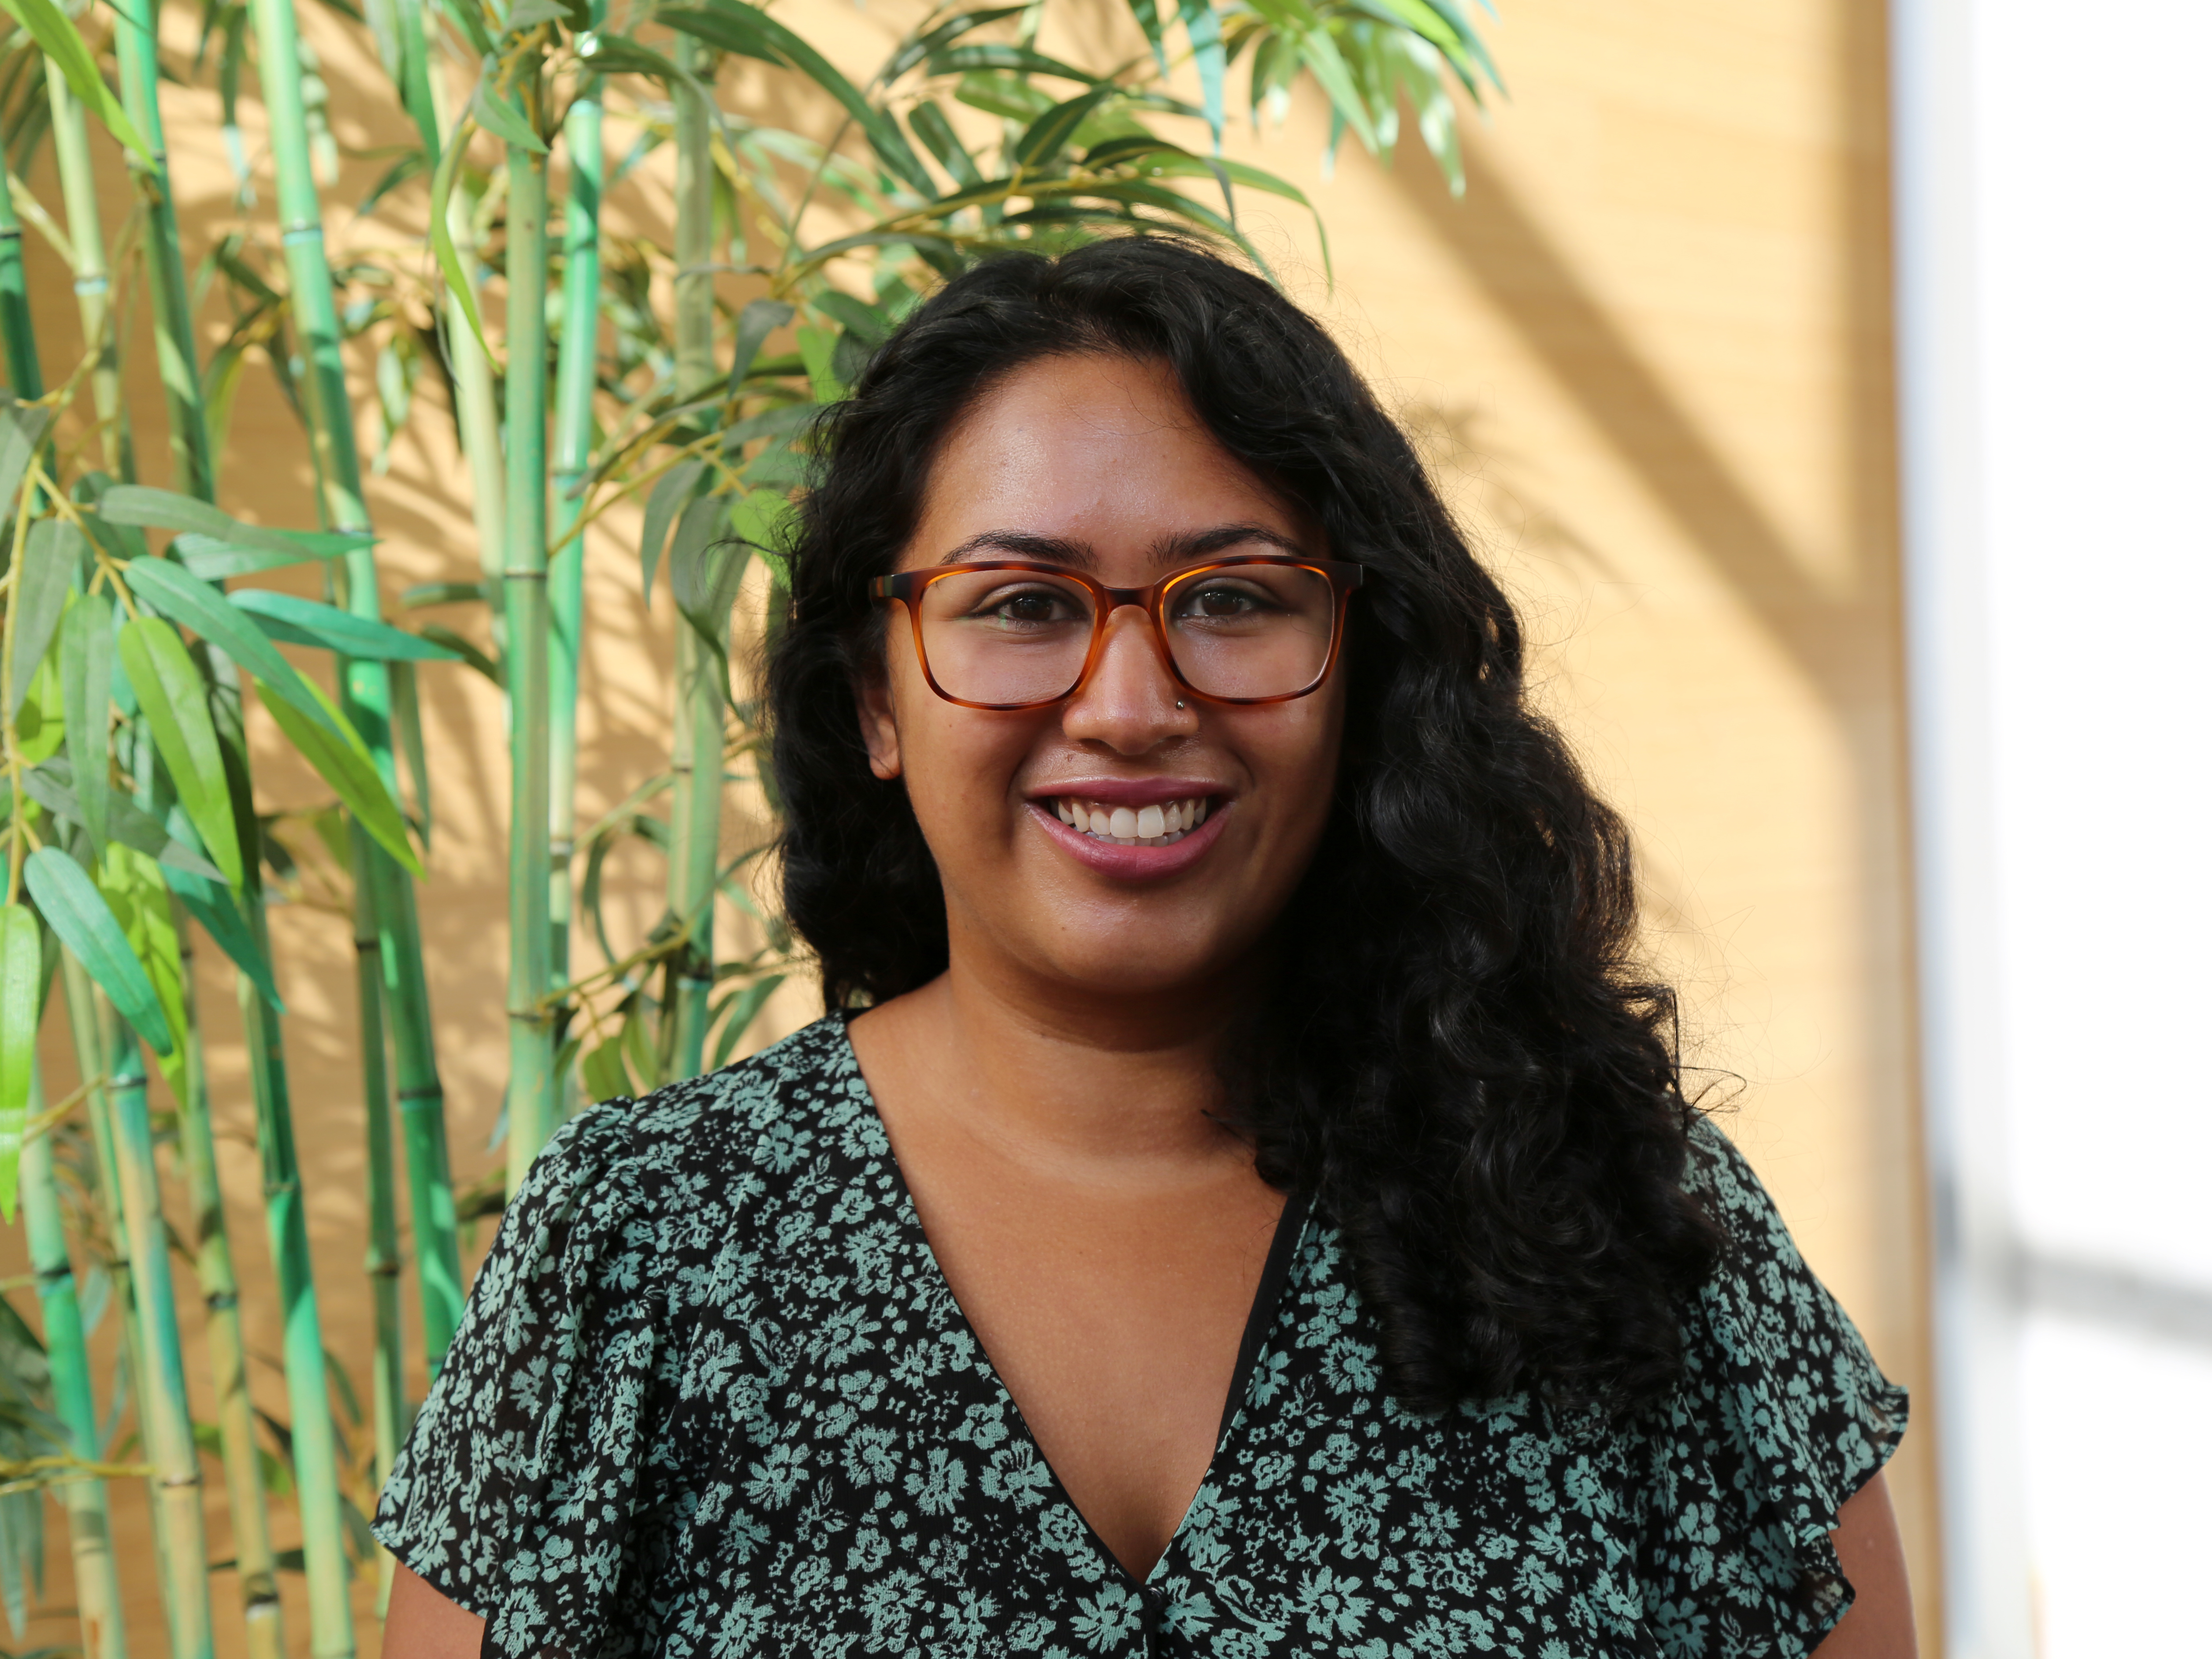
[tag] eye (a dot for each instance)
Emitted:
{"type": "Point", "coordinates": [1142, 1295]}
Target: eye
{"type": "Point", "coordinates": [1223, 601]}
{"type": "Point", "coordinates": [1029, 607]}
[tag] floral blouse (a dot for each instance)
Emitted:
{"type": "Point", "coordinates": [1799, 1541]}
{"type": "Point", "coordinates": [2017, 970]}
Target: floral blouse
{"type": "Point", "coordinates": [713, 1397]}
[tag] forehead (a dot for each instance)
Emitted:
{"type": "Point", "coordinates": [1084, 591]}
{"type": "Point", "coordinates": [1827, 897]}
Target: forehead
{"type": "Point", "coordinates": [1106, 451]}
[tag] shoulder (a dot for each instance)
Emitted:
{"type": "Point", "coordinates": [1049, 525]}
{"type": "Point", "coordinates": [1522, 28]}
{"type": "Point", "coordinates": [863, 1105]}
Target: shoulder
{"type": "Point", "coordinates": [692, 1157]}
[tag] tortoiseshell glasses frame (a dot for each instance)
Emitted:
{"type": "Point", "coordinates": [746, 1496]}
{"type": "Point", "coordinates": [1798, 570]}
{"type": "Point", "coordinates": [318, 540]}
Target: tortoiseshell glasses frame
{"type": "Point", "coordinates": [908, 587]}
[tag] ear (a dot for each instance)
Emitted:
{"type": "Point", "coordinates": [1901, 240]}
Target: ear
{"type": "Point", "coordinates": [880, 725]}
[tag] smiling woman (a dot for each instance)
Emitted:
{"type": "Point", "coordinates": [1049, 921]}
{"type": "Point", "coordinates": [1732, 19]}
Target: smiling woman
{"type": "Point", "coordinates": [1242, 1200]}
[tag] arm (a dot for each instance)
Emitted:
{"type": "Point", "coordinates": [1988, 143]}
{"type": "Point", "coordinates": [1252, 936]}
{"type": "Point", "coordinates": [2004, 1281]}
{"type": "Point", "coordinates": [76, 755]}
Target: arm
{"type": "Point", "coordinates": [422, 1624]}
{"type": "Point", "coordinates": [1879, 1625]}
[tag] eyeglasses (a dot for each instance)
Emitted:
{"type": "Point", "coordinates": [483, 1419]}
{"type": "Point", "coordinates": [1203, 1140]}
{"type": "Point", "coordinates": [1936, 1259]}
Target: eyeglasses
{"type": "Point", "coordinates": [1002, 634]}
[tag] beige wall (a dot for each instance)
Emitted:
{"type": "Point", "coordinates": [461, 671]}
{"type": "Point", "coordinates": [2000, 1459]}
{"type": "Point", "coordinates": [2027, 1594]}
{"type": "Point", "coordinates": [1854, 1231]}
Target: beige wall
{"type": "Point", "coordinates": [1648, 353]}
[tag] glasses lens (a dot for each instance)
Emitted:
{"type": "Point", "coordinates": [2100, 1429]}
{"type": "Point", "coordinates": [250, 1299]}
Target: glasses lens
{"type": "Point", "coordinates": [1251, 630]}
{"type": "Point", "coordinates": [1006, 636]}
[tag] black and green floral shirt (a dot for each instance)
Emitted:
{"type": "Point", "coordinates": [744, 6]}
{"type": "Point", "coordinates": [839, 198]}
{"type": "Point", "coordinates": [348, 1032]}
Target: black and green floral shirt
{"type": "Point", "coordinates": [713, 1397]}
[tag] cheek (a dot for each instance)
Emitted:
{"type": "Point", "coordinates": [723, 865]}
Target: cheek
{"type": "Point", "coordinates": [960, 765]}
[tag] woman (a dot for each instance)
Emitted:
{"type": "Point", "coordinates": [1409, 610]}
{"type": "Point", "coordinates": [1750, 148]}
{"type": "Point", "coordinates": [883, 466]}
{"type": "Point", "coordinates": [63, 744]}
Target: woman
{"type": "Point", "coordinates": [1256, 1211]}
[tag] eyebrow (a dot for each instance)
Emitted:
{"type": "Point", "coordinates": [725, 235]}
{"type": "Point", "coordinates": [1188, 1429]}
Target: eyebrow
{"type": "Point", "coordinates": [1175, 549]}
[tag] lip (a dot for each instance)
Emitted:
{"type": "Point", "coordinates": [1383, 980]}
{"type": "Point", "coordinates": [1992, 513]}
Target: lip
{"type": "Point", "coordinates": [1122, 863]}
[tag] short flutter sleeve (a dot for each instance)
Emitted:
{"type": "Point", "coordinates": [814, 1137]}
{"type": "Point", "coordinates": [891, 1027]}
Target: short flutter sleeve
{"type": "Point", "coordinates": [514, 1493]}
{"type": "Point", "coordinates": [1781, 1416]}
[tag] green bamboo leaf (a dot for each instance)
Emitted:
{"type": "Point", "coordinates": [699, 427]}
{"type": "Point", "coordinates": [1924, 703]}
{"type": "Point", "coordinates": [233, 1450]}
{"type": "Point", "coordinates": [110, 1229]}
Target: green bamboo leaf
{"type": "Point", "coordinates": [1425, 21]}
{"type": "Point", "coordinates": [80, 918]}
{"type": "Point", "coordinates": [448, 256]}
{"type": "Point", "coordinates": [304, 622]}
{"type": "Point", "coordinates": [1324, 62]}
{"type": "Point", "coordinates": [441, 593]}
{"type": "Point", "coordinates": [65, 49]}
{"type": "Point", "coordinates": [42, 589]}
{"type": "Point", "coordinates": [705, 567]}
{"type": "Point", "coordinates": [529, 13]}
{"type": "Point", "coordinates": [1203, 25]}
{"type": "Point", "coordinates": [501, 119]}
{"type": "Point", "coordinates": [1147, 13]}
{"type": "Point", "coordinates": [132, 884]}
{"type": "Point", "coordinates": [210, 904]}
{"type": "Point", "coordinates": [88, 669]}
{"type": "Point", "coordinates": [173, 697]}
{"type": "Point", "coordinates": [182, 597]}
{"type": "Point", "coordinates": [346, 766]}
{"type": "Point", "coordinates": [22, 976]}
{"type": "Point", "coordinates": [916, 47]}
{"type": "Point", "coordinates": [407, 724]}
{"type": "Point", "coordinates": [606, 1078]}
{"type": "Point", "coordinates": [22, 430]}
{"type": "Point", "coordinates": [469, 15]}
{"type": "Point", "coordinates": [53, 786]}
{"type": "Point", "coordinates": [733, 26]}
{"type": "Point", "coordinates": [936, 133]}
{"type": "Point", "coordinates": [744, 1007]}
{"type": "Point", "coordinates": [785, 421]}
{"type": "Point", "coordinates": [1156, 158]}
{"type": "Point", "coordinates": [212, 559]}
{"type": "Point", "coordinates": [818, 348]}
{"type": "Point", "coordinates": [762, 519]}
{"type": "Point", "coordinates": [959, 60]}
{"type": "Point", "coordinates": [467, 650]}
{"type": "Point", "coordinates": [668, 498]}
{"type": "Point", "coordinates": [759, 320]}
{"type": "Point", "coordinates": [1049, 134]}
{"type": "Point", "coordinates": [140, 504]}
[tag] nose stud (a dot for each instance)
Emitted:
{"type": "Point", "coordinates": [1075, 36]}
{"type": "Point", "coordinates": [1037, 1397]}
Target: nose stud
{"type": "Point", "coordinates": [1178, 702]}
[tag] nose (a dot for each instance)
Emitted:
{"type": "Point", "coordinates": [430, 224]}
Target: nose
{"type": "Point", "coordinates": [1131, 703]}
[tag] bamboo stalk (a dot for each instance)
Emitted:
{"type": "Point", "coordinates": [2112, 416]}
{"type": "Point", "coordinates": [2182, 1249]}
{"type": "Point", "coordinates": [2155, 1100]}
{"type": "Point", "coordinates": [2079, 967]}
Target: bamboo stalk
{"type": "Point", "coordinates": [192, 456]}
{"type": "Point", "coordinates": [23, 345]}
{"type": "Point", "coordinates": [696, 757]}
{"type": "Point", "coordinates": [366, 695]}
{"type": "Point", "coordinates": [80, 201]}
{"type": "Point", "coordinates": [530, 1099]}
{"type": "Point", "coordinates": [165, 1418]}
{"type": "Point", "coordinates": [314, 1451]}
{"type": "Point", "coordinates": [578, 377]}
{"type": "Point", "coordinates": [475, 404]}
{"type": "Point", "coordinates": [175, 355]}
{"type": "Point", "coordinates": [84, 1502]}
{"type": "Point", "coordinates": [366, 686]}
{"type": "Point", "coordinates": [387, 1372]}
{"type": "Point", "coordinates": [250, 1543]}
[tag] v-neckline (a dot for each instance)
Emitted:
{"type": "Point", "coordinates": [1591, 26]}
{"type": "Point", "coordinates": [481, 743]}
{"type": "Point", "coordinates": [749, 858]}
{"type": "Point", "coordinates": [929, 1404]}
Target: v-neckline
{"type": "Point", "coordinates": [1259, 1323]}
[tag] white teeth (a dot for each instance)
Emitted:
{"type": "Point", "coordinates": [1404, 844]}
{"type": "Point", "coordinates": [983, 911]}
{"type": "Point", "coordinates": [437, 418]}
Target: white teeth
{"type": "Point", "coordinates": [1160, 826]}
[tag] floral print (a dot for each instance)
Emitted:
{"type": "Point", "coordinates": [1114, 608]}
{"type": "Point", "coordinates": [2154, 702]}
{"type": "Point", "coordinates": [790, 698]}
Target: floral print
{"type": "Point", "coordinates": [713, 1397]}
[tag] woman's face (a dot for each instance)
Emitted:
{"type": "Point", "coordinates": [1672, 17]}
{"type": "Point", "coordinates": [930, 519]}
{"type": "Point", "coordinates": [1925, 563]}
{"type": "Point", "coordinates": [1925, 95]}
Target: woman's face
{"type": "Point", "coordinates": [1099, 464]}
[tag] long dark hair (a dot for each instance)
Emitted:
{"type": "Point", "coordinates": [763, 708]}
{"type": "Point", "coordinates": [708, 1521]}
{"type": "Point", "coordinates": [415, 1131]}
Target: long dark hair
{"type": "Point", "coordinates": [1458, 1058]}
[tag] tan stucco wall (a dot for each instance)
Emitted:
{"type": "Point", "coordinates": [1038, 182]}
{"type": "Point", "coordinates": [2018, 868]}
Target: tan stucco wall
{"type": "Point", "coordinates": [1649, 354]}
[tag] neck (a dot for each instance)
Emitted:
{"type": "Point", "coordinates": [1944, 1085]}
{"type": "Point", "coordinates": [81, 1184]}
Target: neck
{"type": "Point", "coordinates": [1116, 1087]}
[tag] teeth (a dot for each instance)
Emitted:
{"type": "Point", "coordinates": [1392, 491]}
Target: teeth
{"type": "Point", "coordinates": [1146, 826]}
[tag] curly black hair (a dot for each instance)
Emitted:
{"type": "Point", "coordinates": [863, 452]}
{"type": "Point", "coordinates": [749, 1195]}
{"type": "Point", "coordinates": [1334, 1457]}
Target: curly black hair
{"type": "Point", "coordinates": [1457, 1056]}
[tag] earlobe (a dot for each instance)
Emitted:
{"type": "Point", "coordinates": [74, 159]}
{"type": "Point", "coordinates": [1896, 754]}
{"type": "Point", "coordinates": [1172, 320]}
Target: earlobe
{"type": "Point", "coordinates": [879, 728]}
